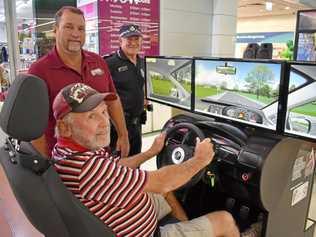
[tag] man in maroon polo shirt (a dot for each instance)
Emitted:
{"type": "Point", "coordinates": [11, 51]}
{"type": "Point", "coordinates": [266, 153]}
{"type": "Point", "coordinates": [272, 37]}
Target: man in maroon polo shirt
{"type": "Point", "coordinates": [68, 63]}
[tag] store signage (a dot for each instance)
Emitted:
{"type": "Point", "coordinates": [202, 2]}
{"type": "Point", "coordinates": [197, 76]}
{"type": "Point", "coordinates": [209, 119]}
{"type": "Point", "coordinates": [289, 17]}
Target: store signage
{"type": "Point", "coordinates": [85, 2]}
{"type": "Point", "coordinates": [130, 1]}
{"type": "Point", "coordinates": [90, 10]}
{"type": "Point", "coordinates": [114, 13]}
{"type": "Point", "coordinates": [265, 37]}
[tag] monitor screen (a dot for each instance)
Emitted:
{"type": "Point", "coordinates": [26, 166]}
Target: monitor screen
{"type": "Point", "coordinates": [242, 91]}
{"type": "Point", "coordinates": [301, 101]}
{"type": "Point", "coordinates": [168, 80]}
{"type": "Point", "coordinates": [306, 47]}
{"type": "Point", "coordinates": [305, 39]}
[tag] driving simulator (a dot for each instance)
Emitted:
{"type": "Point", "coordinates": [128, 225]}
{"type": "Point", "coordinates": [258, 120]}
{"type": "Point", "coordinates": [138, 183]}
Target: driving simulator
{"type": "Point", "coordinates": [260, 116]}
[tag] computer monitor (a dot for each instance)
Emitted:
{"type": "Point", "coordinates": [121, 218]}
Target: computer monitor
{"type": "Point", "coordinates": [306, 47]}
{"type": "Point", "coordinates": [239, 90]}
{"type": "Point", "coordinates": [168, 81]}
{"type": "Point", "coordinates": [301, 101]}
{"type": "Point", "coordinates": [305, 37]}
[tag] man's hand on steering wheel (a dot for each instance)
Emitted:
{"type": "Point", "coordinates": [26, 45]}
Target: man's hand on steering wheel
{"type": "Point", "coordinates": [157, 145]}
{"type": "Point", "coordinates": [204, 151]}
{"type": "Point", "coordinates": [181, 146]}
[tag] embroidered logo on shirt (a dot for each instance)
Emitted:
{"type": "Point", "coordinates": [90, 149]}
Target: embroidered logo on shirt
{"type": "Point", "coordinates": [97, 72]}
{"type": "Point", "coordinates": [123, 69]}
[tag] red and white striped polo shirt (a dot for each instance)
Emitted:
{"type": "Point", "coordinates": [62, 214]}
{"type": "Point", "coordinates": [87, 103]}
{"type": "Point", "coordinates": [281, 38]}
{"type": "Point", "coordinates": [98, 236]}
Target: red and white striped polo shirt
{"type": "Point", "coordinates": [114, 193]}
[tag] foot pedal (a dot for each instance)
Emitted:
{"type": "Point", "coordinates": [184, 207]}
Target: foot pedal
{"type": "Point", "coordinates": [244, 213]}
{"type": "Point", "coordinates": [230, 204]}
{"type": "Point", "coordinates": [260, 217]}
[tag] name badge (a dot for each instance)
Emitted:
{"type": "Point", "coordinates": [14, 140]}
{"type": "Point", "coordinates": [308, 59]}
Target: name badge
{"type": "Point", "coordinates": [97, 72]}
{"type": "Point", "coordinates": [123, 69]}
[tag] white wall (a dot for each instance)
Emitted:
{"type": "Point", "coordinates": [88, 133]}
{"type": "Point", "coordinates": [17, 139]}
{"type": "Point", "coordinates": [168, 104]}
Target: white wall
{"type": "Point", "coordinates": [224, 23]}
{"type": "Point", "coordinates": [185, 27]}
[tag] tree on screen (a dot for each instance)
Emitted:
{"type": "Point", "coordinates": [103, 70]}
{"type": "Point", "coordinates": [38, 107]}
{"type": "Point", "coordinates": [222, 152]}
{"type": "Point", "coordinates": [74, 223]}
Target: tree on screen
{"type": "Point", "coordinates": [258, 80]}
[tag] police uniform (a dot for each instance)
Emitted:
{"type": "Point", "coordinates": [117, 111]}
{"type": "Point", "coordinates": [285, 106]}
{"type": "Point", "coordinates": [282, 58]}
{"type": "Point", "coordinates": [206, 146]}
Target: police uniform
{"type": "Point", "coordinates": [129, 82]}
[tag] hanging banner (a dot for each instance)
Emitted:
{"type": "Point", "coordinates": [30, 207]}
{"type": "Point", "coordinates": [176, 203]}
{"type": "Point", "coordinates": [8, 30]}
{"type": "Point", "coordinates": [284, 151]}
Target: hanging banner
{"type": "Point", "coordinates": [114, 13]}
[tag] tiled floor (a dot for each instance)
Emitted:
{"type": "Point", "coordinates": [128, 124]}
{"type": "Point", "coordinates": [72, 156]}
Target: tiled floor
{"type": "Point", "coordinates": [151, 165]}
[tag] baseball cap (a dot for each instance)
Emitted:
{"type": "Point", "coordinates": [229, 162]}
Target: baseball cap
{"type": "Point", "coordinates": [129, 30]}
{"type": "Point", "coordinates": [78, 97]}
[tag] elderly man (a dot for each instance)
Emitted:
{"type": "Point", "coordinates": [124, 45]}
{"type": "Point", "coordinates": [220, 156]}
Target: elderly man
{"type": "Point", "coordinates": [124, 197]}
{"type": "Point", "coordinates": [68, 63]}
{"type": "Point", "coordinates": [127, 70]}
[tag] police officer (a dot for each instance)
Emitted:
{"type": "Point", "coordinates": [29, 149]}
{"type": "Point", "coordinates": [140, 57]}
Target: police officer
{"type": "Point", "coordinates": [127, 70]}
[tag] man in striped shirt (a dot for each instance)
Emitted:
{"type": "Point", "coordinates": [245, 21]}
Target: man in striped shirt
{"type": "Point", "coordinates": [124, 197]}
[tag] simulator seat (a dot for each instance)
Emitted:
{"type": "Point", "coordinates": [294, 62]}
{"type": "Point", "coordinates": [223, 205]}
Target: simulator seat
{"type": "Point", "coordinates": [33, 200]}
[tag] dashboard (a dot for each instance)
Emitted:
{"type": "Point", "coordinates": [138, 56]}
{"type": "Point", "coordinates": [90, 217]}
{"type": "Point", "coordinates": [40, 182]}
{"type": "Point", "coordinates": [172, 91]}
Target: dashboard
{"type": "Point", "coordinates": [242, 113]}
{"type": "Point", "coordinates": [237, 112]}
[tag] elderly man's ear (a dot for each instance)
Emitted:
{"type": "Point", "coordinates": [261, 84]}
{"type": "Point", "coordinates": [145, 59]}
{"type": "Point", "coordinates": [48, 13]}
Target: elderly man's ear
{"type": "Point", "coordinates": [64, 129]}
{"type": "Point", "coordinates": [54, 28]}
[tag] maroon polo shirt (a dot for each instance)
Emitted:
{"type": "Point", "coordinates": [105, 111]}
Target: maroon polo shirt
{"type": "Point", "coordinates": [57, 75]}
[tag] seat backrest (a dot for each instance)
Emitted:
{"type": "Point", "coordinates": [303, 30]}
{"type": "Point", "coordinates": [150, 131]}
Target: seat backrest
{"type": "Point", "coordinates": [40, 194]}
{"type": "Point", "coordinates": [13, 221]}
{"type": "Point", "coordinates": [33, 197]}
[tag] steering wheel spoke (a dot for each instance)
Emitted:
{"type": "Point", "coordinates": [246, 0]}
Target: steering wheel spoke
{"type": "Point", "coordinates": [186, 137]}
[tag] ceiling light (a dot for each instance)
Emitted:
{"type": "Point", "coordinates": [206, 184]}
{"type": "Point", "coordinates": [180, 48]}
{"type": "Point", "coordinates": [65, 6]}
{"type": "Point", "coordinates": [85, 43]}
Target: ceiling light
{"type": "Point", "coordinates": [269, 6]}
{"type": "Point", "coordinates": [287, 8]}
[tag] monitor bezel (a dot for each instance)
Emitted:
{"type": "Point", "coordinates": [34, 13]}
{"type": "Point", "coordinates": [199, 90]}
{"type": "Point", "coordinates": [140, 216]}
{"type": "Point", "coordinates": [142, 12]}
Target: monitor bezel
{"type": "Point", "coordinates": [170, 103]}
{"type": "Point", "coordinates": [298, 31]}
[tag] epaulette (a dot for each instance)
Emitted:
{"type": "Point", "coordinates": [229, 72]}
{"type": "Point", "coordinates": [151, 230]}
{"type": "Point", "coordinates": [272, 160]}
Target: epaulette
{"type": "Point", "coordinates": [107, 55]}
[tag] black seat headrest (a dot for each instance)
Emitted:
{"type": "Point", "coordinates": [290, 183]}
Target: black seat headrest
{"type": "Point", "coordinates": [24, 115]}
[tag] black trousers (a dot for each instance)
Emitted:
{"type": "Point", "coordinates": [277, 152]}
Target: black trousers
{"type": "Point", "coordinates": [134, 129]}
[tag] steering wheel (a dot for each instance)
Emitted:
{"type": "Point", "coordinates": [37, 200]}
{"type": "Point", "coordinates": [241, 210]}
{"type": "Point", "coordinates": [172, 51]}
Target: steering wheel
{"type": "Point", "coordinates": [179, 147]}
